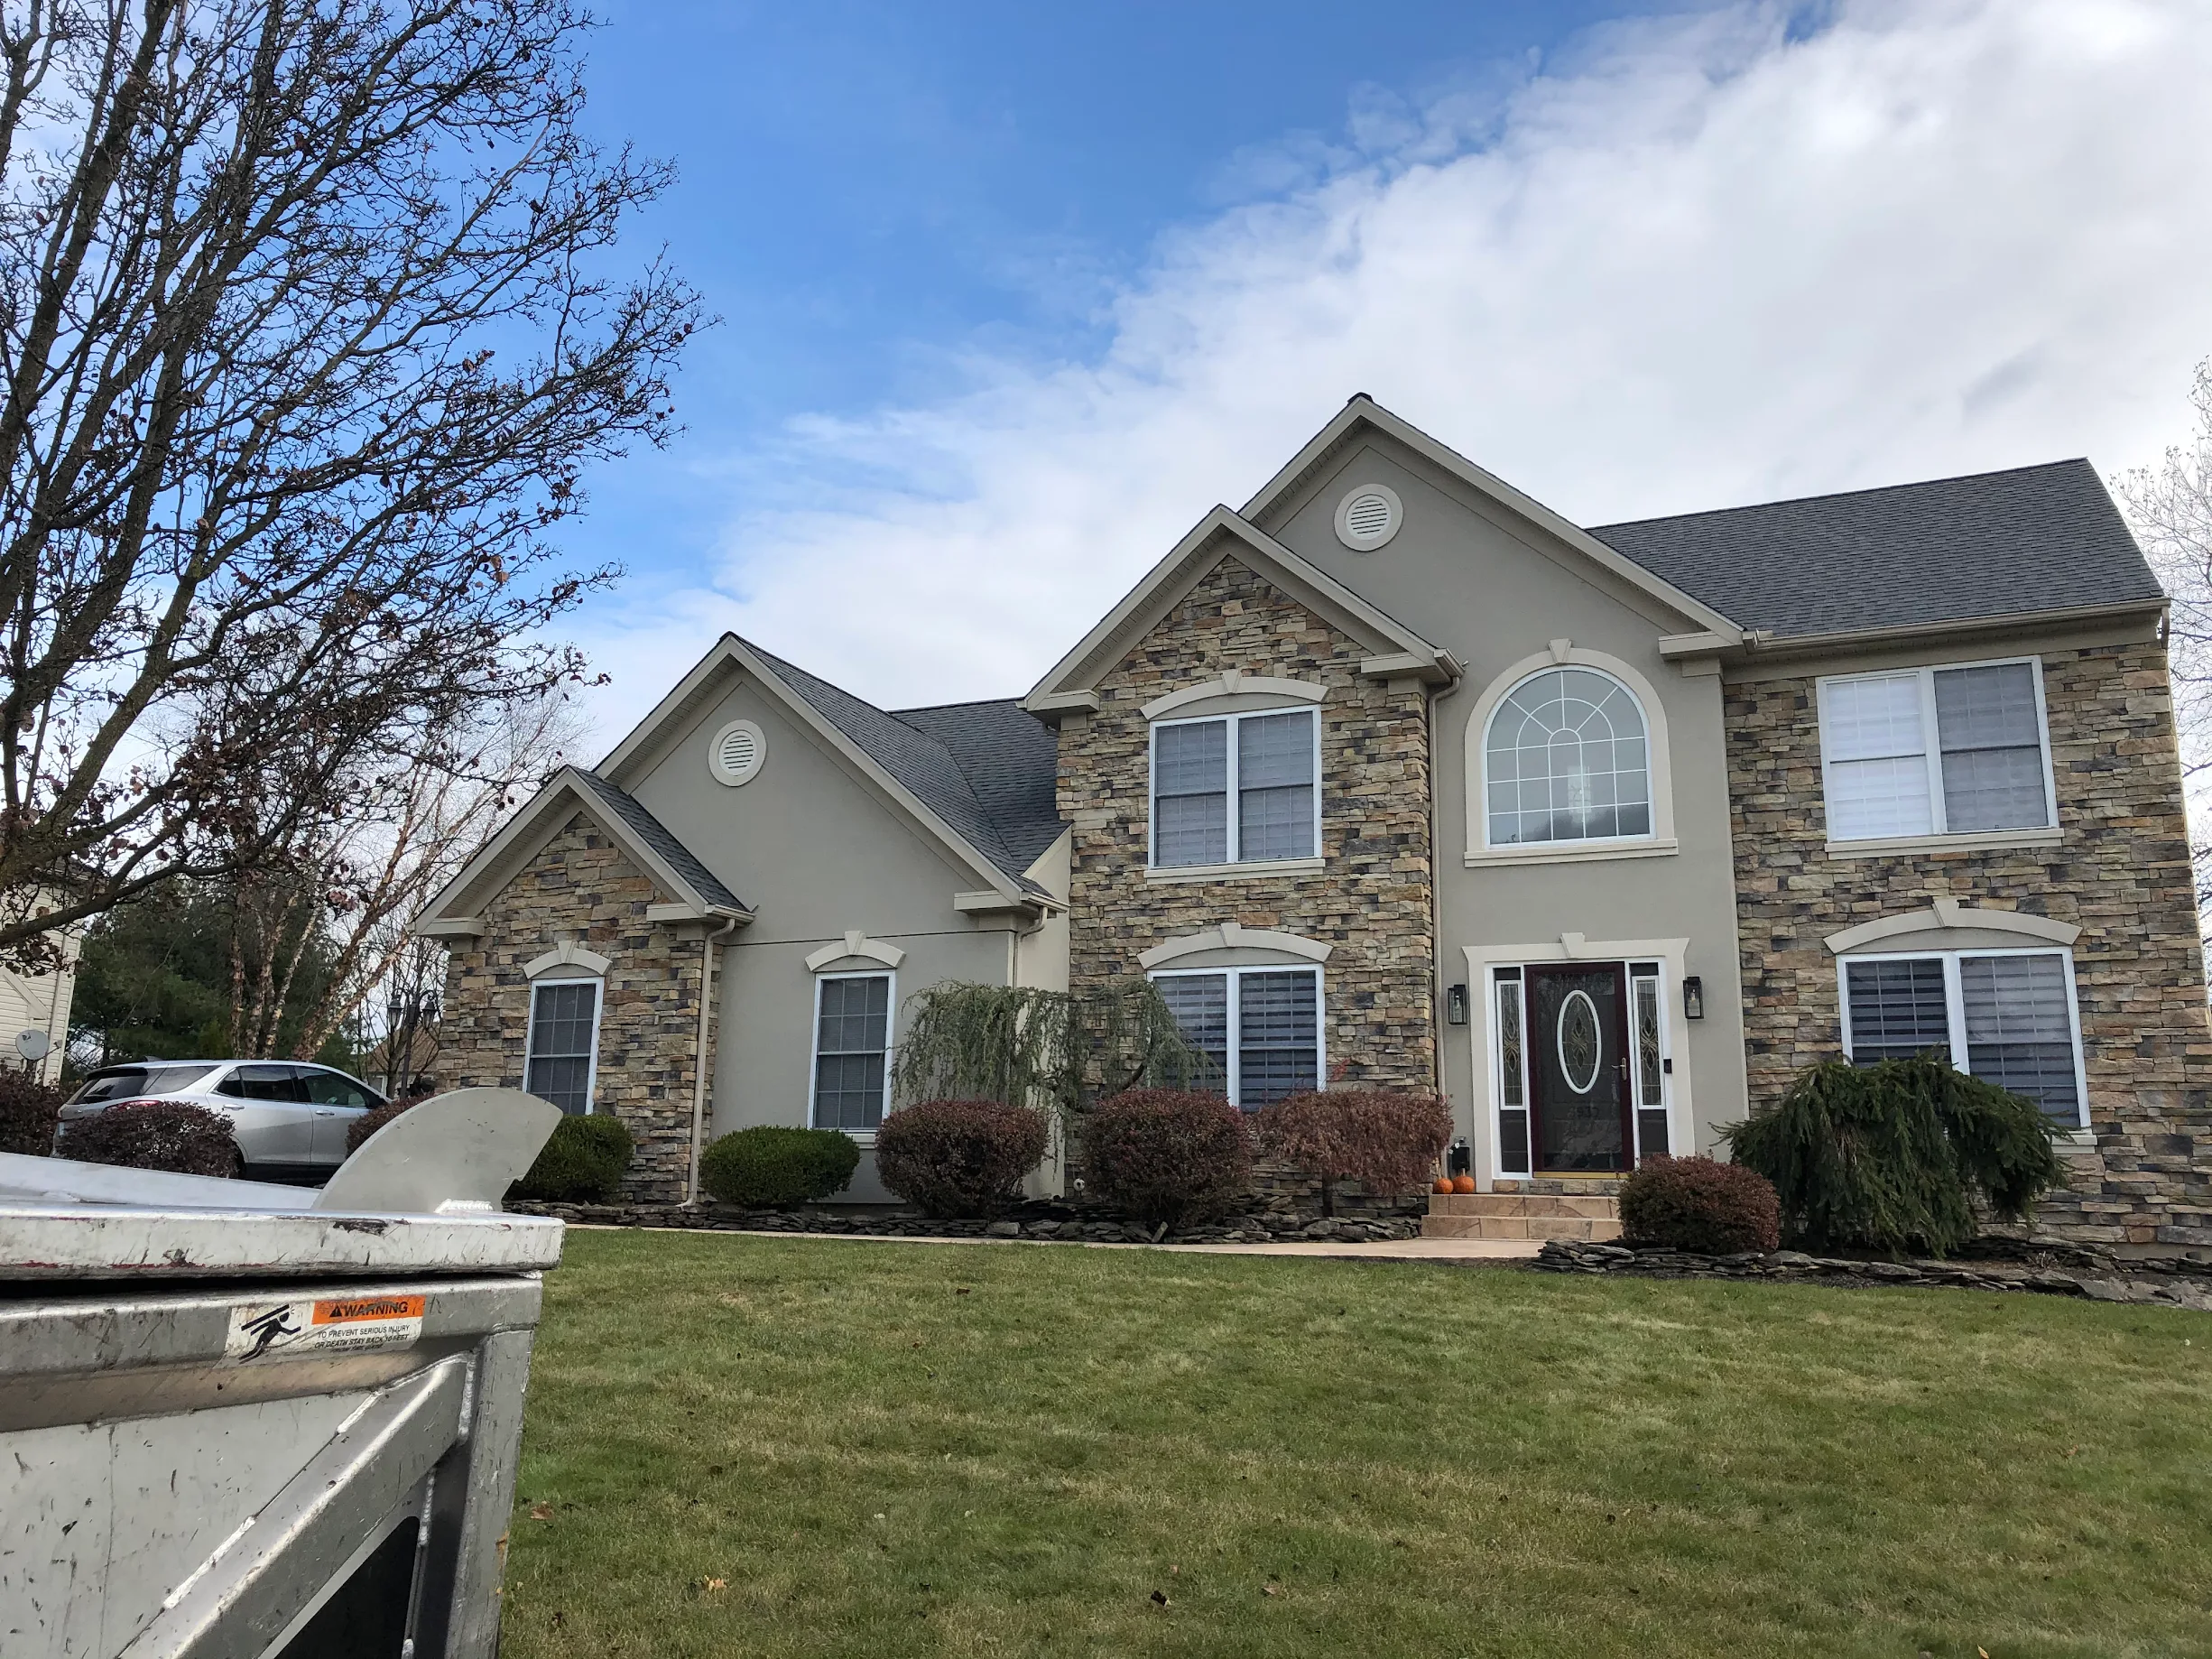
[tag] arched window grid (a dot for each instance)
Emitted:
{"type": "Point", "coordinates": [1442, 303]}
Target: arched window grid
{"type": "Point", "coordinates": [1567, 757]}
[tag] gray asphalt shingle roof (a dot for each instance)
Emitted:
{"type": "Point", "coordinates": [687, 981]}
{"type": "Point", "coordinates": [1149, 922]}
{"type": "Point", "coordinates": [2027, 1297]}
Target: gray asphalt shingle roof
{"type": "Point", "coordinates": [987, 775]}
{"type": "Point", "coordinates": [2032, 538]}
{"type": "Point", "coordinates": [657, 836]}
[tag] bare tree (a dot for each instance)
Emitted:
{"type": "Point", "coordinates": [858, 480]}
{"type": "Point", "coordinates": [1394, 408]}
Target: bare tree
{"type": "Point", "coordinates": [338, 889]}
{"type": "Point", "coordinates": [305, 336]}
{"type": "Point", "coordinates": [2170, 508]}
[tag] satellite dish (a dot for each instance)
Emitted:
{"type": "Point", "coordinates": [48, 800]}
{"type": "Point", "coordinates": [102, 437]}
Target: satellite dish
{"type": "Point", "coordinates": [34, 1045]}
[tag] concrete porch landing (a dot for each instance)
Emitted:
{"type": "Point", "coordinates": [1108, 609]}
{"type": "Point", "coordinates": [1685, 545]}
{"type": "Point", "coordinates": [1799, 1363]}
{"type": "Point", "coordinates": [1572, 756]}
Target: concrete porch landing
{"type": "Point", "coordinates": [1525, 1217]}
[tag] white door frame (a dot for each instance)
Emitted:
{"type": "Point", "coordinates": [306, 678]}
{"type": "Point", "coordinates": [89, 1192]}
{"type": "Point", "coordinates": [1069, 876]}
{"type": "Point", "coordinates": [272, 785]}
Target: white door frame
{"type": "Point", "coordinates": [1672, 954]}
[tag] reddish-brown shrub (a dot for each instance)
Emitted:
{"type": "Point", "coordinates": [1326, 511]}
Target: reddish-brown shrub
{"type": "Point", "coordinates": [1167, 1156]}
{"type": "Point", "coordinates": [369, 1122]}
{"type": "Point", "coordinates": [153, 1135]}
{"type": "Point", "coordinates": [1700, 1204]}
{"type": "Point", "coordinates": [959, 1157]}
{"type": "Point", "coordinates": [1386, 1141]}
{"type": "Point", "coordinates": [28, 1109]}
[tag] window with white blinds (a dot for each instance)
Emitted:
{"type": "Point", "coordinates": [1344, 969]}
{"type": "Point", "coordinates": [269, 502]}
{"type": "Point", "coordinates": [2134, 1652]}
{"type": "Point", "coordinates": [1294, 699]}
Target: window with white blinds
{"type": "Point", "coordinates": [1935, 751]}
{"type": "Point", "coordinates": [1259, 1029]}
{"type": "Point", "coordinates": [561, 1049]}
{"type": "Point", "coordinates": [1237, 789]}
{"type": "Point", "coordinates": [2006, 1015]}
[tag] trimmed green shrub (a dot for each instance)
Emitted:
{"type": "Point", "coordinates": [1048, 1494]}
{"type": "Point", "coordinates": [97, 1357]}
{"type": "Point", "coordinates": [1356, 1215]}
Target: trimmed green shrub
{"type": "Point", "coordinates": [959, 1157]}
{"type": "Point", "coordinates": [28, 1110]}
{"type": "Point", "coordinates": [1894, 1158]}
{"type": "Point", "coordinates": [156, 1134]}
{"type": "Point", "coordinates": [1700, 1204]}
{"type": "Point", "coordinates": [772, 1168]}
{"type": "Point", "coordinates": [582, 1163]}
{"type": "Point", "coordinates": [1167, 1156]}
{"type": "Point", "coordinates": [369, 1122]}
{"type": "Point", "coordinates": [1387, 1141]}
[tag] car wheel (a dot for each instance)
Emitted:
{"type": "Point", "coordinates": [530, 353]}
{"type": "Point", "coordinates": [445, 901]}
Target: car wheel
{"type": "Point", "coordinates": [237, 1164]}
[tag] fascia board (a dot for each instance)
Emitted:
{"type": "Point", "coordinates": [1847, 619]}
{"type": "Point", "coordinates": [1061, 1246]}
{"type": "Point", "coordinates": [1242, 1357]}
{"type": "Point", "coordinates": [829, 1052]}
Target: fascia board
{"type": "Point", "coordinates": [1363, 410]}
{"type": "Point", "coordinates": [670, 707]}
{"type": "Point", "coordinates": [1306, 583]}
{"type": "Point", "coordinates": [564, 795]}
{"type": "Point", "coordinates": [903, 798]}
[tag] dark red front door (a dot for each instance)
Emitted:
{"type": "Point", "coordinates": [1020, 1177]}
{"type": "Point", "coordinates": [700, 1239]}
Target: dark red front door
{"type": "Point", "coordinates": [1578, 1054]}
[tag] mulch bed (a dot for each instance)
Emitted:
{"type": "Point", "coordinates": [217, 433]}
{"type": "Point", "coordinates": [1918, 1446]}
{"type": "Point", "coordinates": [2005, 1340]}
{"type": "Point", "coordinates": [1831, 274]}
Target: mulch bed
{"type": "Point", "coordinates": [1056, 1223]}
{"type": "Point", "coordinates": [1996, 1264]}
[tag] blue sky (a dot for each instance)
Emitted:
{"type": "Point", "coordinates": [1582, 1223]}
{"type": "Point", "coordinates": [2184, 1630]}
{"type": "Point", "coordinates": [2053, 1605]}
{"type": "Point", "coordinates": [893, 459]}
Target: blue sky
{"type": "Point", "coordinates": [1009, 294]}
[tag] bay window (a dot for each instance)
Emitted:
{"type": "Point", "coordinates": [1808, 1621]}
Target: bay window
{"type": "Point", "coordinates": [1935, 751]}
{"type": "Point", "coordinates": [1237, 789]}
{"type": "Point", "coordinates": [2008, 1016]}
{"type": "Point", "coordinates": [1258, 1029]}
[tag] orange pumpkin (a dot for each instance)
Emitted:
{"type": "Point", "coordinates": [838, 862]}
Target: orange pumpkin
{"type": "Point", "coordinates": [1443, 1183]}
{"type": "Point", "coordinates": [1463, 1183]}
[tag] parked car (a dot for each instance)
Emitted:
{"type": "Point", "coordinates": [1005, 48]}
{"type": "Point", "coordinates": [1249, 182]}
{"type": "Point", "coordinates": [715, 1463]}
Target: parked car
{"type": "Point", "coordinates": [289, 1117]}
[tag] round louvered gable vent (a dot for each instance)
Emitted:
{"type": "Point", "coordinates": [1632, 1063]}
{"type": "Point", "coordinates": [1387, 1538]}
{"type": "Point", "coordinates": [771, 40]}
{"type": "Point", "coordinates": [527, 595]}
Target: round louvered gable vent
{"type": "Point", "coordinates": [1368, 516]}
{"type": "Point", "coordinates": [738, 752]}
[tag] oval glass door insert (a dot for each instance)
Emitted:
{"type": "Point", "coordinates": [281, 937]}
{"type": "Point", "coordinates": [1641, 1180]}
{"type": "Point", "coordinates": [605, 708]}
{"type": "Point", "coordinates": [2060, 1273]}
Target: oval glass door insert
{"type": "Point", "coordinates": [1579, 1048]}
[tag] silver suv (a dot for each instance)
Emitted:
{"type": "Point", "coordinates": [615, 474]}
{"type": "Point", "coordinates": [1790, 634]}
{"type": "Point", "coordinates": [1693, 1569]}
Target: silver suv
{"type": "Point", "coordinates": [288, 1117]}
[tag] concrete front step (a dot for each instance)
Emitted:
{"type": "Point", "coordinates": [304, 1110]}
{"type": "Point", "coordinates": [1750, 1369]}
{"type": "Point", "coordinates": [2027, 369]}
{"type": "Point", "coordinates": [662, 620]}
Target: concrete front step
{"type": "Point", "coordinates": [1588, 1217]}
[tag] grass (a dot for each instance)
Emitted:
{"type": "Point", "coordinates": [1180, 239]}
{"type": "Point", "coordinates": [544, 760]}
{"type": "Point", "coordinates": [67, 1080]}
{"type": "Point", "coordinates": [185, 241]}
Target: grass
{"type": "Point", "coordinates": [740, 1446]}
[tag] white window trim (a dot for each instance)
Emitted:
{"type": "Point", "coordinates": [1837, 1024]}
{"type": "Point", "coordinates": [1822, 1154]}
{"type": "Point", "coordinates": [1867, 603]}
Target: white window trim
{"type": "Point", "coordinates": [1657, 759]}
{"type": "Point", "coordinates": [1676, 1090]}
{"type": "Point", "coordinates": [1235, 976]}
{"type": "Point", "coordinates": [1955, 1008]}
{"type": "Point", "coordinates": [1939, 835]}
{"type": "Point", "coordinates": [866, 1137]}
{"type": "Point", "coordinates": [599, 1011]}
{"type": "Point", "coordinates": [1232, 862]}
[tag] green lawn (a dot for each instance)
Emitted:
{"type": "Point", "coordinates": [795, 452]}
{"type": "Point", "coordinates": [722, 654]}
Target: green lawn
{"type": "Point", "coordinates": [741, 1446]}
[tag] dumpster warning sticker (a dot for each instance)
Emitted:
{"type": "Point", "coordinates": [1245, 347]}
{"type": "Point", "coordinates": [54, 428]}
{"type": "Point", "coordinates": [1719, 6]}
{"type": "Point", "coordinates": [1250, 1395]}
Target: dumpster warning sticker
{"type": "Point", "coordinates": [325, 1325]}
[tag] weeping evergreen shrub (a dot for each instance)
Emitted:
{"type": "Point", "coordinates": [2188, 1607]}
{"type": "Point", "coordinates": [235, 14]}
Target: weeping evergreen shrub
{"type": "Point", "coordinates": [1892, 1158]}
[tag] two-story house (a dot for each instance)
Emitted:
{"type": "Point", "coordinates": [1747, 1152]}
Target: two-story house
{"type": "Point", "coordinates": [1395, 775]}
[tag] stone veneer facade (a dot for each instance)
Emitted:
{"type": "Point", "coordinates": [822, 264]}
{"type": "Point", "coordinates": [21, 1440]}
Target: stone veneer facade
{"type": "Point", "coordinates": [581, 888]}
{"type": "Point", "coordinates": [1371, 901]}
{"type": "Point", "coordinates": [2122, 875]}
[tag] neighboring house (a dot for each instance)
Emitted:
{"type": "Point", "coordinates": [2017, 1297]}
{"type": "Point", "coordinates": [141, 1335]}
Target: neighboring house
{"type": "Point", "coordinates": [1397, 777]}
{"type": "Point", "coordinates": [40, 1002]}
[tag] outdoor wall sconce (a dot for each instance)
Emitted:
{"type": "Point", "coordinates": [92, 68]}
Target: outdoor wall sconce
{"type": "Point", "coordinates": [1454, 1005]}
{"type": "Point", "coordinates": [1459, 1159]}
{"type": "Point", "coordinates": [1693, 997]}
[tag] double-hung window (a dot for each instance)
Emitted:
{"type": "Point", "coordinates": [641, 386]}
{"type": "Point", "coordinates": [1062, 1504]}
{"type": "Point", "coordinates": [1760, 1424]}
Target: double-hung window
{"type": "Point", "coordinates": [852, 1050]}
{"type": "Point", "coordinates": [1935, 751]}
{"type": "Point", "coordinates": [2005, 1015]}
{"type": "Point", "coordinates": [1257, 1029]}
{"type": "Point", "coordinates": [1237, 789]}
{"type": "Point", "coordinates": [564, 1042]}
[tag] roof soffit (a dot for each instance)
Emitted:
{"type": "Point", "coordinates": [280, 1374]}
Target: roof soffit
{"type": "Point", "coordinates": [1224, 533]}
{"type": "Point", "coordinates": [1362, 415]}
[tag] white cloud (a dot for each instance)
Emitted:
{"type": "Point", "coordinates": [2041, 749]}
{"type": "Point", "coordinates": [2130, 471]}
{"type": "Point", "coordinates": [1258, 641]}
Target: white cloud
{"type": "Point", "coordinates": [1694, 264]}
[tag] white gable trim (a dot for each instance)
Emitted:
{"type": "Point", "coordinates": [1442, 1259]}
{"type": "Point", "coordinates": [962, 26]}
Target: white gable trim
{"type": "Point", "coordinates": [1219, 533]}
{"type": "Point", "coordinates": [1362, 409]}
{"type": "Point", "coordinates": [523, 836]}
{"type": "Point", "coordinates": [732, 657]}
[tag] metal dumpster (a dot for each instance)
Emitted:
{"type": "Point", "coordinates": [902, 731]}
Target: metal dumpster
{"type": "Point", "coordinates": [240, 1420]}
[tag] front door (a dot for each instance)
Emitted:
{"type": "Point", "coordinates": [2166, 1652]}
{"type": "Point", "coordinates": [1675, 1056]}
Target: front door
{"type": "Point", "coordinates": [1578, 1051]}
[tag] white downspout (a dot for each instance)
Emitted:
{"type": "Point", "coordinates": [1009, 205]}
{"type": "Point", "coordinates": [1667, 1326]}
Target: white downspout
{"type": "Point", "coordinates": [708, 941]}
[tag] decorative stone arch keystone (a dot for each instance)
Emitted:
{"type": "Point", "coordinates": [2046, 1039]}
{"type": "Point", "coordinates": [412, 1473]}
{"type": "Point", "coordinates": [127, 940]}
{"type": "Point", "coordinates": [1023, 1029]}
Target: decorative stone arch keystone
{"type": "Point", "coordinates": [1232, 683]}
{"type": "Point", "coordinates": [854, 943]}
{"type": "Point", "coordinates": [568, 954]}
{"type": "Point", "coordinates": [1948, 914]}
{"type": "Point", "coordinates": [1259, 944]}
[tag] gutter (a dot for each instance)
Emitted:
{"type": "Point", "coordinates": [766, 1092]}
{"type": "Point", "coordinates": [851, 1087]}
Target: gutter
{"type": "Point", "coordinates": [708, 944]}
{"type": "Point", "coordinates": [1764, 643]}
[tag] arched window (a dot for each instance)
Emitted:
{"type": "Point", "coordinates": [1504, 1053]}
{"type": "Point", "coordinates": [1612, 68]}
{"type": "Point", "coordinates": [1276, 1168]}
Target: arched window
{"type": "Point", "coordinates": [1566, 760]}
